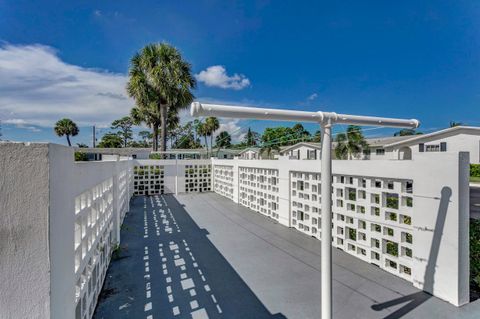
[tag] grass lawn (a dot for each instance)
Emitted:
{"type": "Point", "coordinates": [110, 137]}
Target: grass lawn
{"type": "Point", "coordinates": [474, 179]}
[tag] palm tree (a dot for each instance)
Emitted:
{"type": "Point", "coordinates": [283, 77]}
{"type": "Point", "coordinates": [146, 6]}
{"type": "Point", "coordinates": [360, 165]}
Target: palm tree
{"type": "Point", "coordinates": [160, 80]}
{"type": "Point", "coordinates": [212, 125]}
{"type": "Point", "coordinates": [351, 143]}
{"type": "Point", "coordinates": [224, 140]}
{"type": "Point", "coordinates": [268, 149]}
{"type": "Point", "coordinates": [66, 127]}
{"type": "Point", "coordinates": [202, 130]}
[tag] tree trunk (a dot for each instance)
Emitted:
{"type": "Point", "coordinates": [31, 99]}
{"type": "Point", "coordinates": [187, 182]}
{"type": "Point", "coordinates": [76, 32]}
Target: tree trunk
{"type": "Point", "coordinates": [211, 143]}
{"type": "Point", "coordinates": [206, 144]}
{"type": "Point", "coordinates": [163, 129]}
{"type": "Point", "coordinates": [155, 138]}
{"type": "Point", "coordinates": [68, 140]}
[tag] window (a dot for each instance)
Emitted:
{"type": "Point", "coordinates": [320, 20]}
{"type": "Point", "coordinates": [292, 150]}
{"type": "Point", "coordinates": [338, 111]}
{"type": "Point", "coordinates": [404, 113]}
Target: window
{"type": "Point", "coordinates": [380, 151]}
{"type": "Point", "coordinates": [432, 148]}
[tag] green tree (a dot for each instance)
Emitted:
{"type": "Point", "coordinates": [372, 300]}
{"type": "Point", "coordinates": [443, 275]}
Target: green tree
{"type": "Point", "coordinates": [251, 138]}
{"type": "Point", "coordinates": [66, 127]}
{"type": "Point", "coordinates": [223, 140]}
{"type": "Point", "coordinates": [406, 132]}
{"type": "Point", "coordinates": [146, 137]}
{"type": "Point", "coordinates": [268, 149]}
{"type": "Point", "coordinates": [212, 125]}
{"type": "Point", "coordinates": [111, 140]}
{"type": "Point", "coordinates": [316, 138]}
{"type": "Point", "coordinates": [351, 143]}
{"type": "Point", "coordinates": [82, 145]}
{"type": "Point", "coordinates": [277, 135]}
{"type": "Point", "coordinates": [299, 133]}
{"type": "Point", "coordinates": [160, 80]}
{"type": "Point", "coordinates": [202, 130]}
{"type": "Point", "coordinates": [124, 125]}
{"type": "Point", "coordinates": [186, 137]}
{"type": "Point", "coordinates": [148, 116]}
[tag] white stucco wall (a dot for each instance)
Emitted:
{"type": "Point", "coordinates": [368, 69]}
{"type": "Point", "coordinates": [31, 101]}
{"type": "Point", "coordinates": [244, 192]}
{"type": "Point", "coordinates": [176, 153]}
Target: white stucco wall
{"type": "Point", "coordinates": [440, 215]}
{"type": "Point", "coordinates": [455, 143]}
{"type": "Point", "coordinates": [39, 186]}
{"type": "Point", "coordinates": [301, 152]}
{"type": "Point", "coordinates": [24, 236]}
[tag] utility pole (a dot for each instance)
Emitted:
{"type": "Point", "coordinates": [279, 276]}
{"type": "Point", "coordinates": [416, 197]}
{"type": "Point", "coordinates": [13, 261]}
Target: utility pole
{"type": "Point", "coordinates": [326, 120]}
{"type": "Point", "coordinates": [93, 134]}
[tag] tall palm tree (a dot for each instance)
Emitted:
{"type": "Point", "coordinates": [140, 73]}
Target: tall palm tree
{"type": "Point", "coordinates": [351, 143]}
{"type": "Point", "coordinates": [202, 130]}
{"type": "Point", "coordinates": [223, 139]}
{"type": "Point", "coordinates": [66, 127]}
{"type": "Point", "coordinates": [160, 80]}
{"type": "Point", "coordinates": [212, 125]}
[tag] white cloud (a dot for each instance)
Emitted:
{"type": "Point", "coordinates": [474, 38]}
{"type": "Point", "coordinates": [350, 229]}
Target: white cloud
{"type": "Point", "coordinates": [19, 123]}
{"type": "Point", "coordinates": [38, 88]}
{"type": "Point", "coordinates": [233, 127]}
{"type": "Point", "coordinates": [216, 76]}
{"type": "Point", "coordinates": [312, 97]}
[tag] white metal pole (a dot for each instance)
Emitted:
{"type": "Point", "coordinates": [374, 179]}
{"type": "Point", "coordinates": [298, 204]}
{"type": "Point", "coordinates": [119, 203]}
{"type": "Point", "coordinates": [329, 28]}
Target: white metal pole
{"type": "Point", "coordinates": [326, 120]}
{"type": "Point", "coordinates": [326, 216]}
{"type": "Point", "coordinates": [176, 174]}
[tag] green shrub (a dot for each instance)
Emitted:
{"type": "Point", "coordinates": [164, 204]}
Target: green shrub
{"type": "Point", "coordinates": [352, 195]}
{"type": "Point", "coordinates": [408, 238]}
{"type": "Point", "coordinates": [392, 202]}
{"type": "Point", "coordinates": [81, 157]}
{"type": "Point", "coordinates": [475, 170]}
{"type": "Point", "coordinates": [392, 217]}
{"type": "Point", "coordinates": [352, 234]}
{"type": "Point", "coordinates": [392, 248]}
{"type": "Point", "coordinates": [475, 254]}
{"type": "Point", "coordinates": [155, 156]}
{"type": "Point", "coordinates": [407, 220]}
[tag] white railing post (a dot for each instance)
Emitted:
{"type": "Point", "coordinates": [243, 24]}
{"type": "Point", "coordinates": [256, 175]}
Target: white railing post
{"type": "Point", "coordinates": [326, 120]}
{"type": "Point", "coordinates": [326, 216]}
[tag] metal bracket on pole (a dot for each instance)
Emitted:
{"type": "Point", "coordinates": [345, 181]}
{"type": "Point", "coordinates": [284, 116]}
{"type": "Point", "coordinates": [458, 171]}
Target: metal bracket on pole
{"type": "Point", "coordinates": [326, 121]}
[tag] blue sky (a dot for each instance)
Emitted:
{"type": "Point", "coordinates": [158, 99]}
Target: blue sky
{"type": "Point", "coordinates": [408, 59]}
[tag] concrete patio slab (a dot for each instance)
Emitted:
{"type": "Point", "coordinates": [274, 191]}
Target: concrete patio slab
{"type": "Point", "coordinates": [203, 256]}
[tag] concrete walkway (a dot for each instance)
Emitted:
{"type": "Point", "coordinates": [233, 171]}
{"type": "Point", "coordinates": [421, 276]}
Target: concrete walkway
{"type": "Point", "coordinates": [202, 256]}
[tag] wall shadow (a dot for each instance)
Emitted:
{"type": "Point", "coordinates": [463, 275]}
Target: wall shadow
{"type": "Point", "coordinates": [416, 299]}
{"type": "Point", "coordinates": [187, 277]}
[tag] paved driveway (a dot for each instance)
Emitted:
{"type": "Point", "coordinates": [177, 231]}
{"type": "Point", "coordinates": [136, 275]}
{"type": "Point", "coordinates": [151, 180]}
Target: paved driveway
{"type": "Point", "coordinates": [202, 256]}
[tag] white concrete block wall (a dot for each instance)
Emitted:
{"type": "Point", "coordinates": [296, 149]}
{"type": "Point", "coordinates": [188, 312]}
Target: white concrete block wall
{"type": "Point", "coordinates": [71, 213]}
{"type": "Point", "coordinates": [171, 176]}
{"type": "Point", "coordinates": [424, 240]}
{"type": "Point", "coordinates": [258, 190]}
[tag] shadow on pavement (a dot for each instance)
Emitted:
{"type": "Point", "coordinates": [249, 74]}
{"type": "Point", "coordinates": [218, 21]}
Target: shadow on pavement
{"type": "Point", "coordinates": [172, 270]}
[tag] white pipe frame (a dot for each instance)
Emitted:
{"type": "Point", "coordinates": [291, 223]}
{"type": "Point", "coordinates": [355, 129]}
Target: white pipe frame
{"type": "Point", "coordinates": [326, 121]}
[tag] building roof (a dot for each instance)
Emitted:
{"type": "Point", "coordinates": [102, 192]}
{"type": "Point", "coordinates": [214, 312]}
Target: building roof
{"type": "Point", "coordinates": [416, 139]}
{"type": "Point", "coordinates": [372, 142]}
{"type": "Point", "coordinates": [316, 146]}
{"type": "Point", "coordinates": [383, 141]}
{"type": "Point", "coordinates": [126, 151]}
{"type": "Point", "coordinates": [253, 149]}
